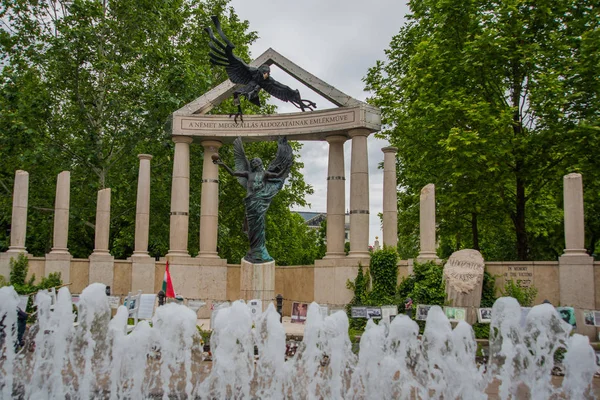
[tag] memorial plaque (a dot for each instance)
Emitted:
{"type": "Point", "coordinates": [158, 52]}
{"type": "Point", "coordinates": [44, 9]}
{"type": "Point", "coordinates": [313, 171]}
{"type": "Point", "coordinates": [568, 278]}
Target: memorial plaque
{"type": "Point", "coordinates": [388, 311]}
{"type": "Point", "coordinates": [374, 312]}
{"type": "Point", "coordinates": [422, 311]}
{"type": "Point", "coordinates": [115, 301]}
{"type": "Point", "coordinates": [255, 307]}
{"type": "Point", "coordinates": [359, 312]}
{"type": "Point", "coordinates": [522, 275]}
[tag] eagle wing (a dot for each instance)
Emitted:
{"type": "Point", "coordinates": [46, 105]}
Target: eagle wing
{"type": "Point", "coordinates": [279, 90]}
{"type": "Point", "coordinates": [222, 55]}
{"type": "Point", "coordinates": [241, 161]}
{"type": "Point", "coordinates": [283, 159]}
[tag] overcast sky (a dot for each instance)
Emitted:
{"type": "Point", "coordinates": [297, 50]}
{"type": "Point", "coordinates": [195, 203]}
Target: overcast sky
{"type": "Point", "coordinates": [337, 41]}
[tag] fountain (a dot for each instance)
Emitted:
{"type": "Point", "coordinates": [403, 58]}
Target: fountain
{"type": "Point", "coordinates": [90, 356]}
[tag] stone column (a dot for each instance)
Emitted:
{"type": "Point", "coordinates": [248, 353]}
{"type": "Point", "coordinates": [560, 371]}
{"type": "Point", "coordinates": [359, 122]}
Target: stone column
{"type": "Point", "coordinates": [427, 223]}
{"type": "Point", "coordinates": [209, 202]}
{"type": "Point", "coordinates": [336, 198]}
{"type": "Point", "coordinates": [59, 259]}
{"type": "Point", "coordinates": [390, 199]}
{"type": "Point", "coordinates": [180, 197]}
{"type": "Point", "coordinates": [102, 222]}
{"type": "Point", "coordinates": [142, 211]}
{"type": "Point", "coordinates": [61, 213]}
{"type": "Point", "coordinates": [575, 266]}
{"type": "Point", "coordinates": [101, 262]}
{"type": "Point", "coordinates": [142, 265]}
{"type": "Point", "coordinates": [18, 224]}
{"type": "Point", "coordinates": [359, 194]}
{"type": "Point", "coordinates": [574, 222]}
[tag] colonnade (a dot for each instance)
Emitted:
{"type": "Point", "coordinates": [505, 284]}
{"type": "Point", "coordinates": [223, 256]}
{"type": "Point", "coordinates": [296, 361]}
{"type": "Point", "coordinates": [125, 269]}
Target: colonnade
{"type": "Point", "coordinates": [336, 197]}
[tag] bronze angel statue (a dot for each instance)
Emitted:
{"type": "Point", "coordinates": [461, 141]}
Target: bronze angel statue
{"type": "Point", "coordinates": [261, 186]}
{"type": "Point", "coordinates": [252, 78]}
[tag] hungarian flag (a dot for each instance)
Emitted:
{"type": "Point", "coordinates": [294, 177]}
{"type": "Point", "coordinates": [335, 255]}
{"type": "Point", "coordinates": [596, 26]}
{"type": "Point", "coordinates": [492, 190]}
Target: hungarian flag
{"type": "Point", "coordinates": [168, 284]}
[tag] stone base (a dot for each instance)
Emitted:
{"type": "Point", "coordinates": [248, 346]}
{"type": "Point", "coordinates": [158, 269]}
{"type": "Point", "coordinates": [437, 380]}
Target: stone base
{"type": "Point", "coordinates": [199, 279]}
{"type": "Point", "coordinates": [425, 256]}
{"type": "Point", "coordinates": [331, 276]}
{"type": "Point", "coordinates": [102, 268]}
{"type": "Point", "coordinates": [5, 263]}
{"type": "Point", "coordinates": [576, 280]}
{"type": "Point", "coordinates": [59, 262]}
{"type": "Point", "coordinates": [257, 281]}
{"type": "Point", "coordinates": [142, 273]}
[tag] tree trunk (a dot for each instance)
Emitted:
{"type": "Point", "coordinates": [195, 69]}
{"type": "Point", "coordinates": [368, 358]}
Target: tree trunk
{"type": "Point", "coordinates": [475, 231]}
{"type": "Point", "coordinates": [519, 221]}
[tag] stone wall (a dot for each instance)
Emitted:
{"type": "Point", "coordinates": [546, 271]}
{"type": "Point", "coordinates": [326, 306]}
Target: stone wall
{"type": "Point", "coordinates": [297, 283]}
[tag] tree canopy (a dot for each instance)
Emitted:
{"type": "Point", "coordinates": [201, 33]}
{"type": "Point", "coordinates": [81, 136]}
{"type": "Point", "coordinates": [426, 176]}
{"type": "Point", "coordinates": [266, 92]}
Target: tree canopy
{"type": "Point", "coordinates": [86, 86]}
{"type": "Point", "coordinates": [493, 102]}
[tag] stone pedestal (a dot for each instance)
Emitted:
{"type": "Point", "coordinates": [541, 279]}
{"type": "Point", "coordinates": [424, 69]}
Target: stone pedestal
{"type": "Point", "coordinates": [463, 274]}
{"type": "Point", "coordinates": [102, 268]}
{"type": "Point", "coordinates": [577, 288]}
{"type": "Point", "coordinates": [59, 262]}
{"type": "Point", "coordinates": [199, 279]}
{"type": "Point", "coordinates": [142, 273]}
{"type": "Point", "coordinates": [331, 276]}
{"type": "Point", "coordinates": [257, 281]}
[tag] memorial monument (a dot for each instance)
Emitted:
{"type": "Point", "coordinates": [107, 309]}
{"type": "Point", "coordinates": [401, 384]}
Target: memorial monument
{"type": "Point", "coordinates": [261, 187]}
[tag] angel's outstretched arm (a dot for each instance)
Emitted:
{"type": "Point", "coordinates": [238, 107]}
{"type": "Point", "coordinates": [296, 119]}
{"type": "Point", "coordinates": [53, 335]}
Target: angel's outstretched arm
{"type": "Point", "coordinates": [243, 174]}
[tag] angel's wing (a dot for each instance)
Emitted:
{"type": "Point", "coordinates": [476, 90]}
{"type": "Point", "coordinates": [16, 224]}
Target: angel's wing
{"type": "Point", "coordinates": [241, 161]}
{"type": "Point", "coordinates": [283, 160]}
{"type": "Point", "coordinates": [222, 54]}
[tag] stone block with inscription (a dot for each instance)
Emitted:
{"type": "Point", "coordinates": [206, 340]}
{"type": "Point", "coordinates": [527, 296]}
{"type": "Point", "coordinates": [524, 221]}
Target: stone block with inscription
{"type": "Point", "coordinates": [463, 274]}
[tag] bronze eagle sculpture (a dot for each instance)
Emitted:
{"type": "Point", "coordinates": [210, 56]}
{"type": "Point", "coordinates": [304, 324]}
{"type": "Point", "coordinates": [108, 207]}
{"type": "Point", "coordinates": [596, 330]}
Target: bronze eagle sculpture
{"type": "Point", "coordinates": [253, 79]}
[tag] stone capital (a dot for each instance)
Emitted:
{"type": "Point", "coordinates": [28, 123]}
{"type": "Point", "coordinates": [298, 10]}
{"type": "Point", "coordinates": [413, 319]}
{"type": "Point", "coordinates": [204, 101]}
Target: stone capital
{"type": "Point", "coordinates": [145, 156]}
{"type": "Point", "coordinates": [182, 139]}
{"type": "Point", "coordinates": [336, 139]}
{"type": "Point", "coordinates": [358, 132]}
{"type": "Point", "coordinates": [212, 145]}
{"type": "Point", "coordinates": [390, 149]}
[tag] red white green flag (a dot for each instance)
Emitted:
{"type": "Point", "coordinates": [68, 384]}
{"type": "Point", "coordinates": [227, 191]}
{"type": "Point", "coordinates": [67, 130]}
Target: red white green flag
{"type": "Point", "coordinates": [167, 286]}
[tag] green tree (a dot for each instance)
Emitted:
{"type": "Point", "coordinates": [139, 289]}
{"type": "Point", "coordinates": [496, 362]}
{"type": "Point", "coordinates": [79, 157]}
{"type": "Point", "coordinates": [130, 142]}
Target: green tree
{"type": "Point", "coordinates": [493, 102]}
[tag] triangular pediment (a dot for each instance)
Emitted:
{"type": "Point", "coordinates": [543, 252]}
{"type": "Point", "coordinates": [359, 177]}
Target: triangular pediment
{"type": "Point", "coordinates": [212, 98]}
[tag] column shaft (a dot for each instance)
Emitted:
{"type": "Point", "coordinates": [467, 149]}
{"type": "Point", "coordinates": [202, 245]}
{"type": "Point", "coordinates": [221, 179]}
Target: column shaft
{"type": "Point", "coordinates": [102, 222]}
{"type": "Point", "coordinates": [336, 198]}
{"type": "Point", "coordinates": [390, 199]}
{"type": "Point", "coordinates": [359, 194]}
{"type": "Point", "coordinates": [574, 217]}
{"type": "Point", "coordinates": [180, 197]}
{"type": "Point", "coordinates": [61, 212]}
{"type": "Point", "coordinates": [209, 206]}
{"type": "Point", "coordinates": [142, 207]}
{"type": "Point", "coordinates": [427, 222]}
{"type": "Point", "coordinates": [18, 225]}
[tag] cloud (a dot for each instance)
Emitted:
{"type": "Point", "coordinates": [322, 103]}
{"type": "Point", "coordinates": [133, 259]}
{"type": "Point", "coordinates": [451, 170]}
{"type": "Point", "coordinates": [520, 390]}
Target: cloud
{"type": "Point", "coordinates": [337, 41]}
